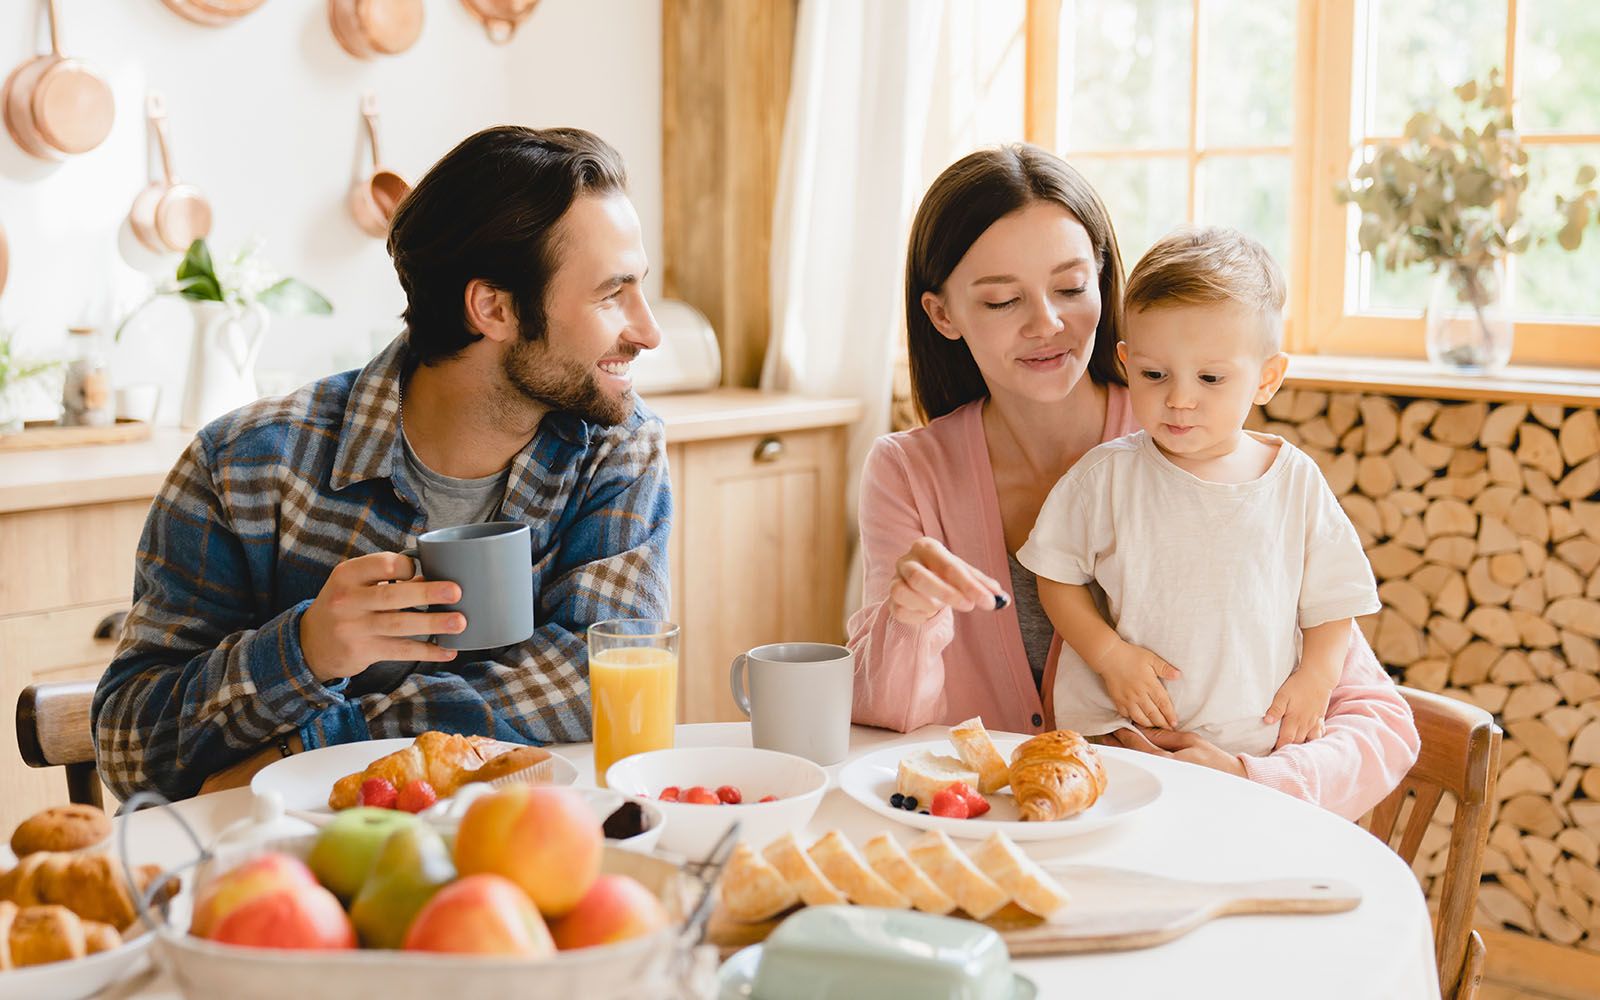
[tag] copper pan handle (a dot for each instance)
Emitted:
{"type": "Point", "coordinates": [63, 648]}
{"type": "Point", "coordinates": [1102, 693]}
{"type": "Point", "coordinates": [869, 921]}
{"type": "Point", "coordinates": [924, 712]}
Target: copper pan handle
{"type": "Point", "coordinates": [156, 110]}
{"type": "Point", "coordinates": [55, 30]}
{"type": "Point", "coordinates": [369, 111]}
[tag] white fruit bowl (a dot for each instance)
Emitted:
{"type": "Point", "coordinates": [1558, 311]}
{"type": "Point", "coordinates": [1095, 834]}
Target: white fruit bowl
{"type": "Point", "coordinates": [692, 830]}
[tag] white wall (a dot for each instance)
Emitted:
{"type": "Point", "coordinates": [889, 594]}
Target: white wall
{"type": "Point", "coordinates": [264, 116]}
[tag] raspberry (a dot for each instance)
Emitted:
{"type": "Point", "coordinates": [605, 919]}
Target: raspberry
{"type": "Point", "coordinates": [416, 796]}
{"type": "Point", "coordinates": [378, 792]}
{"type": "Point", "coordinates": [729, 795]}
{"type": "Point", "coordinates": [700, 795]}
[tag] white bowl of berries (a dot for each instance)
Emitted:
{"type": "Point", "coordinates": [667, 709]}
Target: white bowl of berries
{"type": "Point", "coordinates": [704, 790]}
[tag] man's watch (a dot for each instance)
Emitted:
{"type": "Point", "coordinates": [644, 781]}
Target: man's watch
{"type": "Point", "coordinates": [283, 746]}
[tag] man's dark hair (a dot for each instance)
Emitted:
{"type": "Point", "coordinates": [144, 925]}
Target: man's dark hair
{"type": "Point", "coordinates": [489, 210]}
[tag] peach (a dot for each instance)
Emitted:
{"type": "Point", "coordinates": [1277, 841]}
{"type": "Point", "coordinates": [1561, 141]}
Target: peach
{"type": "Point", "coordinates": [300, 917]}
{"type": "Point", "coordinates": [266, 873]}
{"type": "Point", "coordinates": [616, 908]}
{"type": "Point", "coordinates": [480, 915]}
{"type": "Point", "coordinates": [542, 837]}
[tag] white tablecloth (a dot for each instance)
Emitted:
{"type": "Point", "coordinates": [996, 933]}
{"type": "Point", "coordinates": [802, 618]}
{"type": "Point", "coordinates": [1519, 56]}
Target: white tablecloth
{"type": "Point", "coordinates": [1205, 825]}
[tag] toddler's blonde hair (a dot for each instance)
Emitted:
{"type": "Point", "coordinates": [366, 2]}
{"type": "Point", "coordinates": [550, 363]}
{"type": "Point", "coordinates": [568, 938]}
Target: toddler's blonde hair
{"type": "Point", "coordinates": [1203, 265]}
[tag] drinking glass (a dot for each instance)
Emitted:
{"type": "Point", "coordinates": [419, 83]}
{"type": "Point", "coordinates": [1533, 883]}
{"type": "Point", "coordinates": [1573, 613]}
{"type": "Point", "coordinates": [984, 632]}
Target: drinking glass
{"type": "Point", "coordinates": [633, 683]}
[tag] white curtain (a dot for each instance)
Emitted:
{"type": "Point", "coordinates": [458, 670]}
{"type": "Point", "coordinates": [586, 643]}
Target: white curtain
{"type": "Point", "coordinates": [884, 95]}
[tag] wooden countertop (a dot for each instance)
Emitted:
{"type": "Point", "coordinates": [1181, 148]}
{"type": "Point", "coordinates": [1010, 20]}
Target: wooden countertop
{"type": "Point", "coordinates": [102, 473]}
{"type": "Point", "coordinates": [1392, 377]}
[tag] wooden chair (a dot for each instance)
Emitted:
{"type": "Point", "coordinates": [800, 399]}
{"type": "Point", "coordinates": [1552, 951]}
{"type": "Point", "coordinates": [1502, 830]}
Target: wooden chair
{"type": "Point", "coordinates": [1461, 755]}
{"type": "Point", "coordinates": [53, 730]}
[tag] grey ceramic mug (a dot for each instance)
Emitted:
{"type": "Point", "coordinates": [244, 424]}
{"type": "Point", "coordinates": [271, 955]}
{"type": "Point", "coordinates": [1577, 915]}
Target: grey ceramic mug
{"type": "Point", "coordinates": [492, 563]}
{"type": "Point", "coordinates": [798, 698]}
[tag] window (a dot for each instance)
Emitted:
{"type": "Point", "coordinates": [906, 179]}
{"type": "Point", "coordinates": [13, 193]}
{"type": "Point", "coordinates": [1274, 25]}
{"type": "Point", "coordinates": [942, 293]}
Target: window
{"type": "Point", "coordinates": [1246, 113]}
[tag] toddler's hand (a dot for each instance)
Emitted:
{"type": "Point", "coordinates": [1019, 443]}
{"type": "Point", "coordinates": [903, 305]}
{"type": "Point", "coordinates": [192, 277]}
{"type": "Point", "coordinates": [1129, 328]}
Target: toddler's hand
{"type": "Point", "coordinates": [1301, 703]}
{"type": "Point", "coordinates": [1133, 675]}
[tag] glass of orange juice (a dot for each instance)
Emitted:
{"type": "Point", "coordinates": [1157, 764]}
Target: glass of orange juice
{"type": "Point", "coordinates": [633, 682]}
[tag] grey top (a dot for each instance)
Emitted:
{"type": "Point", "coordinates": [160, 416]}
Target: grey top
{"type": "Point", "coordinates": [1036, 628]}
{"type": "Point", "coordinates": [446, 502]}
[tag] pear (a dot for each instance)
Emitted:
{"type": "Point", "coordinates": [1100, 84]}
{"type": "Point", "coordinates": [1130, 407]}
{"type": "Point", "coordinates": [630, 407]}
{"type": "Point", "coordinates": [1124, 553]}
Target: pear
{"type": "Point", "coordinates": [413, 865]}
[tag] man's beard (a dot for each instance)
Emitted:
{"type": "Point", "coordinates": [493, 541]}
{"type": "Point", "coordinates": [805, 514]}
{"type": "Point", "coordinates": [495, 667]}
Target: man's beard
{"type": "Point", "coordinates": [562, 385]}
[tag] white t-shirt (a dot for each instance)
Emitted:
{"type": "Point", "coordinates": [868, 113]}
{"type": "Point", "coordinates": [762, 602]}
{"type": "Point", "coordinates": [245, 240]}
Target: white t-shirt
{"type": "Point", "coordinates": [1216, 578]}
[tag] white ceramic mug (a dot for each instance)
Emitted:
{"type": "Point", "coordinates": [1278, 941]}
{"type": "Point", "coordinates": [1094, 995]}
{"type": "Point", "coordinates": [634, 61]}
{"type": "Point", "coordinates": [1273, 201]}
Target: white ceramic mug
{"type": "Point", "coordinates": [138, 401]}
{"type": "Point", "coordinates": [798, 699]}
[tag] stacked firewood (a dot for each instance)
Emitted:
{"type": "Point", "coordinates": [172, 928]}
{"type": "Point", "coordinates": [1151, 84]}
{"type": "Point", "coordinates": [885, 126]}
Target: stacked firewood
{"type": "Point", "coordinates": [1483, 530]}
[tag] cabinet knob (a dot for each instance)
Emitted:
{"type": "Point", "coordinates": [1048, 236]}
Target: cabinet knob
{"type": "Point", "coordinates": [769, 449]}
{"type": "Point", "coordinates": [110, 626]}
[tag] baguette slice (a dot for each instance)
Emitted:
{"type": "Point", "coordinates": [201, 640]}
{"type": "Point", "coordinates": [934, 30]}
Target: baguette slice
{"type": "Point", "coordinates": [1020, 876]}
{"type": "Point", "coordinates": [895, 866]}
{"type": "Point", "coordinates": [802, 873]}
{"type": "Point", "coordinates": [978, 752]}
{"type": "Point", "coordinates": [955, 873]}
{"type": "Point", "coordinates": [752, 889]}
{"type": "Point", "coordinates": [845, 868]}
{"type": "Point", "coordinates": [925, 775]}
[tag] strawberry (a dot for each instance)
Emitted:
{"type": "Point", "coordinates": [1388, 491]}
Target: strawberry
{"type": "Point", "coordinates": [700, 795]}
{"type": "Point", "coordinates": [768, 798]}
{"type": "Point", "coordinates": [729, 795]}
{"type": "Point", "coordinates": [669, 794]}
{"type": "Point", "coordinates": [378, 792]}
{"type": "Point", "coordinates": [416, 796]}
{"type": "Point", "coordinates": [977, 805]}
{"type": "Point", "coordinates": [949, 803]}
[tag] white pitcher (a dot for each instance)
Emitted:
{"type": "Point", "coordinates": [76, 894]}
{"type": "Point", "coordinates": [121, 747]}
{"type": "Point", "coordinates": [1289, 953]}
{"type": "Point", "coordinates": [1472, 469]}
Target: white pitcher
{"type": "Point", "coordinates": [223, 359]}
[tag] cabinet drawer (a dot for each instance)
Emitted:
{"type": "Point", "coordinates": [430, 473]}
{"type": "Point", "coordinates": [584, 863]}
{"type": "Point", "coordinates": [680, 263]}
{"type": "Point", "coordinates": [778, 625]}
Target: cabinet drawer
{"type": "Point", "coordinates": [55, 640]}
{"type": "Point", "coordinates": [69, 556]}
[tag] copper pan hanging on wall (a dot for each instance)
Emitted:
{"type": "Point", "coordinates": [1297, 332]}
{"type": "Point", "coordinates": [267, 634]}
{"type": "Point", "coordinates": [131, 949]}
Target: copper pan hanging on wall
{"type": "Point", "coordinates": [168, 214]}
{"type": "Point", "coordinates": [56, 106]}
{"type": "Point", "coordinates": [370, 28]}
{"type": "Point", "coordinates": [376, 194]}
{"type": "Point", "coordinates": [5, 255]}
{"type": "Point", "coordinates": [212, 13]}
{"type": "Point", "coordinates": [500, 17]}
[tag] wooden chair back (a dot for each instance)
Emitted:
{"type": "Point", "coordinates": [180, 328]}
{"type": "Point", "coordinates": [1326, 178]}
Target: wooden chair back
{"type": "Point", "coordinates": [53, 730]}
{"type": "Point", "coordinates": [1460, 754]}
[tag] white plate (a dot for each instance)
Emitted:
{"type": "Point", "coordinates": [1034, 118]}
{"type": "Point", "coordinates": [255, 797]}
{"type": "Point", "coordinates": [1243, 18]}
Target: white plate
{"type": "Point", "coordinates": [1130, 786]}
{"type": "Point", "coordinates": [305, 779]}
{"type": "Point", "coordinates": [736, 979]}
{"type": "Point", "coordinates": [78, 978]}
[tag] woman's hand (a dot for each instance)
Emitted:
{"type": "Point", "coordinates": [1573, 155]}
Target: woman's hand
{"type": "Point", "coordinates": [1133, 676]}
{"type": "Point", "coordinates": [929, 578]}
{"type": "Point", "coordinates": [1178, 746]}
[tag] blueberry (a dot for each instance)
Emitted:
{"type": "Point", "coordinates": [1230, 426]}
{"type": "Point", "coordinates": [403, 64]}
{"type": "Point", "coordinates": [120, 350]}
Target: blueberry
{"type": "Point", "coordinates": [911, 802]}
{"type": "Point", "coordinates": [923, 813]}
{"type": "Point", "coordinates": [897, 800]}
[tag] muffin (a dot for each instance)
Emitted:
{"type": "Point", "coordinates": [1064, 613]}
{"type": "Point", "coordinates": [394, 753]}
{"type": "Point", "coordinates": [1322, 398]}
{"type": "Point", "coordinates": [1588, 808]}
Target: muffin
{"type": "Point", "coordinates": [61, 828]}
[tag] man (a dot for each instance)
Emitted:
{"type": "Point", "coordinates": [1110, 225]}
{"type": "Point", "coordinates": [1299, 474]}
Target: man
{"type": "Point", "coordinates": [272, 609]}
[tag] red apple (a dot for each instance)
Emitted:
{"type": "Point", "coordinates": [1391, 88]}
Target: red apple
{"type": "Point", "coordinates": [480, 915]}
{"type": "Point", "coordinates": [302, 918]}
{"type": "Point", "coordinates": [261, 875]}
{"type": "Point", "coordinates": [616, 908]}
{"type": "Point", "coordinates": [544, 838]}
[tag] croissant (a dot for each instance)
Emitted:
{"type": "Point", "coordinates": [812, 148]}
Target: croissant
{"type": "Point", "coordinates": [1055, 775]}
{"type": "Point", "coordinates": [445, 760]}
{"type": "Point", "coordinates": [34, 935]}
{"type": "Point", "coordinates": [90, 885]}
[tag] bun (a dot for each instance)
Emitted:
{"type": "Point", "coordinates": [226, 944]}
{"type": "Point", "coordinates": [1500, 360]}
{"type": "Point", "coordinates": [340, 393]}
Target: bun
{"type": "Point", "coordinates": [61, 828]}
{"type": "Point", "coordinates": [90, 885]}
{"type": "Point", "coordinates": [36, 935]}
{"type": "Point", "coordinates": [1055, 775]}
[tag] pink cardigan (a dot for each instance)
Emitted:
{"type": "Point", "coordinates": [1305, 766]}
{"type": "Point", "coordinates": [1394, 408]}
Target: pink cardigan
{"type": "Point", "coordinates": [937, 481]}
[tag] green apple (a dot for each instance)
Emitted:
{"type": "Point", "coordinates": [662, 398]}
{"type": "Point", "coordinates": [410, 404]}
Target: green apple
{"type": "Point", "coordinates": [349, 844]}
{"type": "Point", "coordinates": [413, 865]}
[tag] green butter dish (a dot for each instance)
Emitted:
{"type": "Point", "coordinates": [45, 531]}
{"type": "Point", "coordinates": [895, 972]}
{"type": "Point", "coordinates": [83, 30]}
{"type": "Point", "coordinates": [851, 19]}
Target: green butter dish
{"type": "Point", "coordinates": [864, 953]}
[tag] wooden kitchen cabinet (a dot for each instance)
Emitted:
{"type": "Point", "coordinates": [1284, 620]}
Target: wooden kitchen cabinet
{"type": "Point", "coordinates": [757, 550]}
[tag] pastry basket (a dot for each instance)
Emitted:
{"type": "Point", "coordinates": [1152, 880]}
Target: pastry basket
{"type": "Point", "coordinates": [670, 964]}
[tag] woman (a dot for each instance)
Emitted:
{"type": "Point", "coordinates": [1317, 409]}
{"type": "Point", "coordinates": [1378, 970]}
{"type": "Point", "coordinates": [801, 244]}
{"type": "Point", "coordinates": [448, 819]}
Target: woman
{"type": "Point", "coordinates": [1013, 295]}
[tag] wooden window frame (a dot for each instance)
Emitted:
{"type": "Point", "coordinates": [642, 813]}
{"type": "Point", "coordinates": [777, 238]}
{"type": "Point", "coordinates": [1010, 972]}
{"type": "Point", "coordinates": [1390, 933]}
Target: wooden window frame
{"type": "Point", "coordinates": [1323, 315]}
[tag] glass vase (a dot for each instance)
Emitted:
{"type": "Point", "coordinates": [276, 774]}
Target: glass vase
{"type": "Point", "coordinates": [1469, 327]}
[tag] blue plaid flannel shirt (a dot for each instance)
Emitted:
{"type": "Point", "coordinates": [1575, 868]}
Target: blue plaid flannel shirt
{"type": "Point", "coordinates": [268, 499]}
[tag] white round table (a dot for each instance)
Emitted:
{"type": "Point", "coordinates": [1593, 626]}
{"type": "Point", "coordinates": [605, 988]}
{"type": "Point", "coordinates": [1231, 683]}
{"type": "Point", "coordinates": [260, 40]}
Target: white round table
{"type": "Point", "coordinates": [1204, 826]}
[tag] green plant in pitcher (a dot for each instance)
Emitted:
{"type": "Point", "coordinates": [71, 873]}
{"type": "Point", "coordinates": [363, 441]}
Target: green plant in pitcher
{"type": "Point", "coordinates": [240, 280]}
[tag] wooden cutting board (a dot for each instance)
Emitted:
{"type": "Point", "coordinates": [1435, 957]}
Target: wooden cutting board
{"type": "Point", "coordinates": [1116, 910]}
